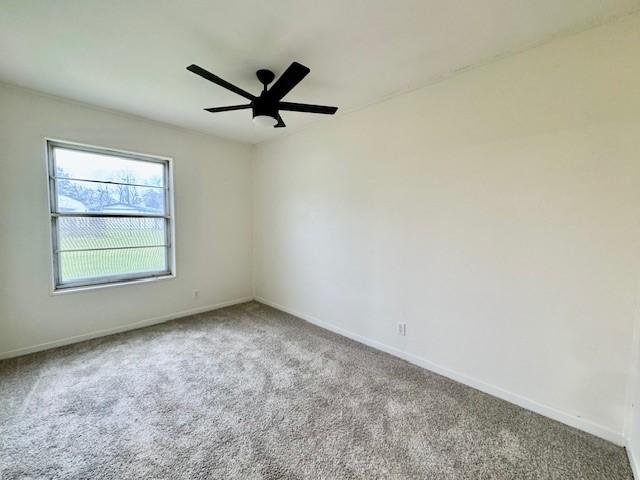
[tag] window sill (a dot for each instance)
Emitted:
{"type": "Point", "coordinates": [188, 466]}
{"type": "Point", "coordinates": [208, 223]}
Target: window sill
{"type": "Point", "coordinates": [63, 291]}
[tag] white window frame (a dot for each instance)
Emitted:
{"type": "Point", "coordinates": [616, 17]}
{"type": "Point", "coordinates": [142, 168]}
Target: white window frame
{"type": "Point", "coordinates": [57, 286]}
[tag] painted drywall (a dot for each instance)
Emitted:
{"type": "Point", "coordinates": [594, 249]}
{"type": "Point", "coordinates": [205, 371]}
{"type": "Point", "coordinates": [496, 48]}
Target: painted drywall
{"type": "Point", "coordinates": [496, 213]}
{"type": "Point", "coordinates": [212, 217]}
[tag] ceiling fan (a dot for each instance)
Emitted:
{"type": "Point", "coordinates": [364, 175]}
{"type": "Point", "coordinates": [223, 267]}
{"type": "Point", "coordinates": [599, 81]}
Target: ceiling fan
{"type": "Point", "coordinates": [266, 107]}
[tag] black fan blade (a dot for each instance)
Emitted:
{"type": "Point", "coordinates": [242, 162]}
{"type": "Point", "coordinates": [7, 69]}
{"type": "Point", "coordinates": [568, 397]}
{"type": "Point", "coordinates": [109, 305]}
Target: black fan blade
{"type": "Point", "coordinates": [219, 81]}
{"type": "Point", "coordinates": [289, 79]}
{"type": "Point", "coordinates": [280, 123]}
{"type": "Point", "coordinates": [305, 107]}
{"type": "Point", "coordinates": [228, 109]}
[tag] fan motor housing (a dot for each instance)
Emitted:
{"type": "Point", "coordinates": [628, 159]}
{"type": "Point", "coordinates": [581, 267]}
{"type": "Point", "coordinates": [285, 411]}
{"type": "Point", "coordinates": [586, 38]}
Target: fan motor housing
{"type": "Point", "coordinates": [265, 105]}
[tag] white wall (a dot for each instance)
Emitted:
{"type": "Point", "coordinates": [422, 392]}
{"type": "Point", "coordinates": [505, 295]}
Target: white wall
{"type": "Point", "coordinates": [213, 223]}
{"type": "Point", "coordinates": [495, 212]}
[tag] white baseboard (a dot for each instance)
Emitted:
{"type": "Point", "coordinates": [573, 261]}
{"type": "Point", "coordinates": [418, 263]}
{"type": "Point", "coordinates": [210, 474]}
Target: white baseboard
{"type": "Point", "coordinates": [547, 411]}
{"type": "Point", "coordinates": [122, 328]}
{"type": "Point", "coordinates": [553, 413]}
{"type": "Point", "coordinates": [635, 467]}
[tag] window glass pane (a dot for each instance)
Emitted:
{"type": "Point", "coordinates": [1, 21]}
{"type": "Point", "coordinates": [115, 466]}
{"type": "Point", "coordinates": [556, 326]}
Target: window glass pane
{"type": "Point", "coordinates": [85, 265]}
{"type": "Point", "coordinates": [82, 196]}
{"type": "Point", "coordinates": [94, 166]}
{"type": "Point", "coordinates": [77, 233]}
{"type": "Point", "coordinates": [106, 230]}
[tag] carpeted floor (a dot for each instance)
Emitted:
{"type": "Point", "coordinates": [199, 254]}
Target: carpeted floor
{"type": "Point", "coordinates": [248, 392]}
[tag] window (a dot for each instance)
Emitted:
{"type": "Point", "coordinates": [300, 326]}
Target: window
{"type": "Point", "coordinates": [111, 215]}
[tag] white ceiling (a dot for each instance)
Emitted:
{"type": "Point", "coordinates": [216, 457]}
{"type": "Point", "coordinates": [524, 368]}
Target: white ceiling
{"type": "Point", "coordinates": [130, 55]}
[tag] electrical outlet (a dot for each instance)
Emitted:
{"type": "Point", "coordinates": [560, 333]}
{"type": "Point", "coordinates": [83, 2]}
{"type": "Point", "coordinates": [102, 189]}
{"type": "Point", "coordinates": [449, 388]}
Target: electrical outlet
{"type": "Point", "coordinates": [196, 293]}
{"type": "Point", "coordinates": [402, 329]}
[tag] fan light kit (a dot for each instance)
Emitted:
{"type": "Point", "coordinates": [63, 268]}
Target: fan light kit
{"type": "Point", "coordinates": [265, 120]}
{"type": "Point", "coordinates": [267, 106]}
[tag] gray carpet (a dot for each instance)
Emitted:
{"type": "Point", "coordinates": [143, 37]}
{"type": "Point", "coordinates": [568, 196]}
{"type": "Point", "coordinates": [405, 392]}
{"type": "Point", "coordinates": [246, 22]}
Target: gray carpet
{"type": "Point", "coordinates": [248, 392]}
